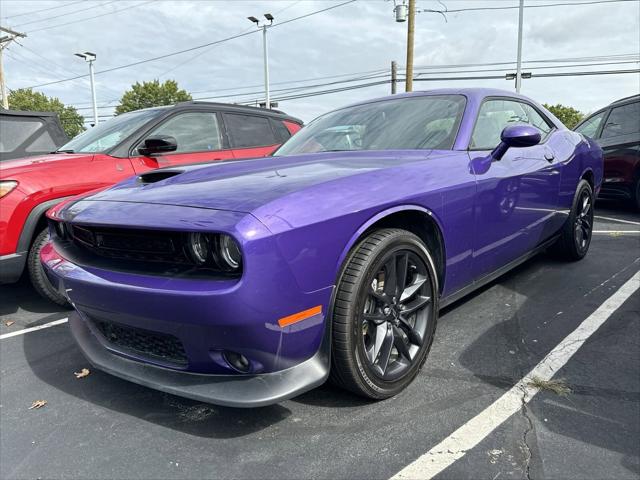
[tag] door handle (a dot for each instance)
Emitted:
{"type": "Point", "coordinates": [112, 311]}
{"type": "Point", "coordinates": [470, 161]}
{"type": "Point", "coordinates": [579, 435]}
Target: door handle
{"type": "Point", "coordinates": [549, 157]}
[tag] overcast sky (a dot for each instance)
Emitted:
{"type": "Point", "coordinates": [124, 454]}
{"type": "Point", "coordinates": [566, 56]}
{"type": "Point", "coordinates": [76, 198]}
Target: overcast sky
{"type": "Point", "coordinates": [359, 37]}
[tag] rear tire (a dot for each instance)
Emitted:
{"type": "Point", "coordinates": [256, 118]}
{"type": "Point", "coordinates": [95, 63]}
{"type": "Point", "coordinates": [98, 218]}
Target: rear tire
{"type": "Point", "coordinates": [37, 276]}
{"type": "Point", "coordinates": [375, 315]}
{"type": "Point", "coordinates": [575, 236]}
{"type": "Point", "coordinates": [635, 199]}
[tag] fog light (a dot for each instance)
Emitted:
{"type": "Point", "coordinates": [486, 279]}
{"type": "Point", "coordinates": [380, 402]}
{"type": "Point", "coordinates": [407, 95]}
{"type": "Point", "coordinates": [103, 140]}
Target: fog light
{"type": "Point", "coordinates": [237, 361]}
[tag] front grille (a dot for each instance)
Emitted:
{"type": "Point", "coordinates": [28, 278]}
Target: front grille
{"type": "Point", "coordinates": [147, 246]}
{"type": "Point", "coordinates": [154, 345]}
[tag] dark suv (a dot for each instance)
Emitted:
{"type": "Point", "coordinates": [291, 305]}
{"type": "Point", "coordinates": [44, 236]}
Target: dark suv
{"type": "Point", "coordinates": [617, 129]}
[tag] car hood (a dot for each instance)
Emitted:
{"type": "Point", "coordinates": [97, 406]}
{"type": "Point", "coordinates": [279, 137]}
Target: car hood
{"type": "Point", "coordinates": [22, 165]}
{"type": "Point", "coordinates": [243, 186]}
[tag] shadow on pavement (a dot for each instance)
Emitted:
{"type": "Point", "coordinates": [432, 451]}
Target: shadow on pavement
{"type": "Point", "coordinates": [21, 298]}
{"type": "Point", "coordinates": [53, 360]}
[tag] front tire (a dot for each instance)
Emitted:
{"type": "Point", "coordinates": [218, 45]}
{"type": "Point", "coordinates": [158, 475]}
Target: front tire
{"type": "Point", "coordinates": [37, 276]}
{"type": "Point", "coordinates": [575, 237]}
{"type": "Point", "coordinates": [385, 314]}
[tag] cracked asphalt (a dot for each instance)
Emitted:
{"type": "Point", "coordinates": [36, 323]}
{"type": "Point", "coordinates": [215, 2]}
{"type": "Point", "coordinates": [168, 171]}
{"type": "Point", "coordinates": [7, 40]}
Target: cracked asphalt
{"type": "Point", "coordinates": [103, 427]}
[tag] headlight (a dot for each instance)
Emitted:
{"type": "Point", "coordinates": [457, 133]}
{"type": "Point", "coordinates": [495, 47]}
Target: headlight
{"type": "Point", "coordinates": [7, 186]}
{"type": "Point", "coordinates": [230, 252]}
{"type": "Point", "coordinates": [198, 246]}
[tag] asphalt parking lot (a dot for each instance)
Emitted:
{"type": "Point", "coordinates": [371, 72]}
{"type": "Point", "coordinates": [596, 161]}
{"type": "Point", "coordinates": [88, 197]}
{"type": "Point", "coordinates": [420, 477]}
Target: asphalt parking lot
{"type": "Point", "coordinates": [103, 427]}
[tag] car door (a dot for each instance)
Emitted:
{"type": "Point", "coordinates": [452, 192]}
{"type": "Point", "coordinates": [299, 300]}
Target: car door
{"type": "Point", "coordinates": [250, 135]}
{"type": "Point", "coordinates": [620, 142]}
{"type": "Point", "coordinates": [517, 197]}
{"type": "Point", "coordinates": [199, 137]}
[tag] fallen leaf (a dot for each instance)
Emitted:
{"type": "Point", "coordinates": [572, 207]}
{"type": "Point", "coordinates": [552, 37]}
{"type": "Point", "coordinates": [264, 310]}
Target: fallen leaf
{"type": "Point", "coordinates": [82, 373]}
{"type": "Point", "coordinates": [38, 404]}
{"type": "Point", "coordinates": [8, 323]}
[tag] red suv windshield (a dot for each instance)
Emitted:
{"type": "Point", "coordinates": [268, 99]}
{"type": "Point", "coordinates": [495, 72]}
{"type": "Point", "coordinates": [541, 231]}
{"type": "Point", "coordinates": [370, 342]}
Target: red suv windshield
{"type": "Point", "coordinates": [107, 135]}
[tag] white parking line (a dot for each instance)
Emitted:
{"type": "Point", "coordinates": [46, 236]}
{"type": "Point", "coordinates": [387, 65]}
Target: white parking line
{"type": "Point", "coordinates": [33, 329]}
{"type": "Point", "coordinates": [617, 232]}
{"type": "Point", "coordinates": [475, 430]}
{"type": "Point", "coordinates": [617, 220]}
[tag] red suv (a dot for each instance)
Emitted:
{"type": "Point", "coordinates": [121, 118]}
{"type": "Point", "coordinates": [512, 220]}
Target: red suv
{"type": "Point", "coordinates": [616, 128]}
{"type": "Point", "coordinates": [126, 145]}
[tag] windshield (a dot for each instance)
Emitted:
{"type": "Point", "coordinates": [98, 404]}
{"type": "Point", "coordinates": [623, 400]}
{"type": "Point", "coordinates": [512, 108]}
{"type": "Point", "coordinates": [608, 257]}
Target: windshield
{"type": "Point", "coordinates": [107, 135]}
{"type": "Point", "coordinates": [408, 123]}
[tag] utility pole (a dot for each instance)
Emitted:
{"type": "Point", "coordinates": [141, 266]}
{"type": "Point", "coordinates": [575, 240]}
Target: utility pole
{"type": "Point", "coordinates": [394, 76]}
{"type": "Point", "coordinates": [265, 54]}
{"type": "Point", "coordinates": [90, 58]}
{"type": "Point", "coordinates": [519, 61]}
{"type": "Point", "coordinates": [410, 32]}
{"type": "Point", "coordinates": [5, 40]}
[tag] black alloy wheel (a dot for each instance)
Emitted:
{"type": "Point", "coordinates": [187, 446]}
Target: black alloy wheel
{"type": "Point", "coordinates": [384, 314]}
{"type": "Point", "coordinates": [583, 223]}
{"type": "Point", "coordinates": [395, 314]}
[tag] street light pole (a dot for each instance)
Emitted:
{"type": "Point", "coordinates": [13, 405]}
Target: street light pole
{"type": "Point", "coordinates": [519, 60]}
{"type": "Point", "coordinates": [265, 51]}
{"type": "Point", "coordinates": [90, 57]}
{"type": "Point", "coordinates": [265, 54]}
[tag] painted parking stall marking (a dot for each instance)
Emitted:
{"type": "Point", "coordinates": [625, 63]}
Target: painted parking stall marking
{"type": "Point", "coordinates": [33, 329]}
{"type": "Point", "coordinates": [475, 430]}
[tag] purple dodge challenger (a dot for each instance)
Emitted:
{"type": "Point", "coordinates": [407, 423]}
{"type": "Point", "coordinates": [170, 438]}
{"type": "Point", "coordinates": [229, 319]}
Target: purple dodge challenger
{"type": "Point", "coordinates": [244, 283]}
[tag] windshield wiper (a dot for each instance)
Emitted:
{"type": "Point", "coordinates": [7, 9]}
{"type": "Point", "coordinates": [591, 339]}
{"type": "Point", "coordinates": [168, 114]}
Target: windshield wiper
{"type": "Point", "coordinates": [64, 151]}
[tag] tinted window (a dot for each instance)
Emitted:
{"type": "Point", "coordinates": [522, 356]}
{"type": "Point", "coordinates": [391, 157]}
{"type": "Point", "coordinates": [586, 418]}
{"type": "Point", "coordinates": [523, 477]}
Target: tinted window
{"type": "Point", "coordinates": [14, 133]}
{"type": "Point", "coordinates": [495, 115]}
{"type": "Point", "coordinates": [249, 131]}
{"type": "Point", "coordinates": [43, 143]}
{"type": "Point", "coordinates": [590, 127]}
{"type": "Point", "coordinates": [193, 131]}
{"type": "Point", "coordinates": [623, 121]}
{"type": "Point", "coordinates": [281, 130]}
{"type": "Point", "coordinates": [422, 122]}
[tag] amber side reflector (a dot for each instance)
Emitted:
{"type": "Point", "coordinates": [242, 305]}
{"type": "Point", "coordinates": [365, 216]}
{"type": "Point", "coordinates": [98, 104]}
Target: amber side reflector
{"type": "Point", "coordinates": [298, 317]}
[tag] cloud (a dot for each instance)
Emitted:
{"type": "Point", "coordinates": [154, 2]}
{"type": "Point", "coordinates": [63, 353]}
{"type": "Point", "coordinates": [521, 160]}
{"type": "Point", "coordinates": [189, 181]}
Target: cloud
{"type": "Point", "coordinates": [359, 37]}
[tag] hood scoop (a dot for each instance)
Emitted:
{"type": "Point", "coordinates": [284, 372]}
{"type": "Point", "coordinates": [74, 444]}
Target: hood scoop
{"type": "Point", "coordinates": [157, 176]}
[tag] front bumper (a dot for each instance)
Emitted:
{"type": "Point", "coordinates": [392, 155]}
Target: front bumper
{"type": "Point", "coordinates": [229, 390]}
{"type": "Point", "coordinates": [12, 266]}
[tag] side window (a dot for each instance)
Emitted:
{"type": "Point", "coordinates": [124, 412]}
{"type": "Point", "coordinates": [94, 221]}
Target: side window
{"type": "Point", "coordinates": [249, 131]}
{"type": "Point", "coordinates": [590, 127]}
{"type": "Point", "coordinates": [623, 121]}
{"type": "Point", "coordinates": [281, 130]}
{"type": "Point", "coordinates": [534, 118]}
{"type": "Point", "coordinates": [497, 114]}
{"type": "Point", "coordinates": [194, 131]}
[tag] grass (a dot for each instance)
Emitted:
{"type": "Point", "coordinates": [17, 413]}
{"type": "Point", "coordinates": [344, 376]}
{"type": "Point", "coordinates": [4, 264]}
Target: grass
{"type": "Point", "coordinates": [559, 386]}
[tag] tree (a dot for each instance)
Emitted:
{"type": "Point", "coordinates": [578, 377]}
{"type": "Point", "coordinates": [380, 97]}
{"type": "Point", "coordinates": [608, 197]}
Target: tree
{"type": "Point", "coordinates": [151, 94]}
{"type": "Point", "coordinates": [26, 99]}
{"type": "Point", "coordinates": [567, 115]}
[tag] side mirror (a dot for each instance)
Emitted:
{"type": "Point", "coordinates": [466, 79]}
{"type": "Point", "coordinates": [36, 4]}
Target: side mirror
{"type": "Point", "coordinates": [517, 136]}
{"type": "Point", "coordinates": [158, 144]}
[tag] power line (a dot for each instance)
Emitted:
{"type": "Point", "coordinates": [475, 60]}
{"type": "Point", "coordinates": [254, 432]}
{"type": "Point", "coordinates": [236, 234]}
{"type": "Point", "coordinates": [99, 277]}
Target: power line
{"type": "Point", "coordinates": [66, 14]}
{"type": "Point", "coordinates": [455, 78]}
{"type": "Point", "coordinates": [43, 9]}
{"type": "Point", "coordinates": [567, 4]}
{"type": "Point", "coordinates": [90, 18]}
{"type": "Point", "coordinates": [188, 49]}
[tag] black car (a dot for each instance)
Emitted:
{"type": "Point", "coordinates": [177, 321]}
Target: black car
{"type": "Point", "coordinates": [617, 129]}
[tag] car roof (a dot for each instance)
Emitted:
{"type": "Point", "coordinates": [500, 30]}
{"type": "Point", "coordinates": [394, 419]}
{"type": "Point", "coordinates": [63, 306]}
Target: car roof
{"type": "Point", "coordinates": [471, 93]}
{"type": "Point", "coordinates": [632, 98]}
{"type": "Point", "coordinates": [228, 107]}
